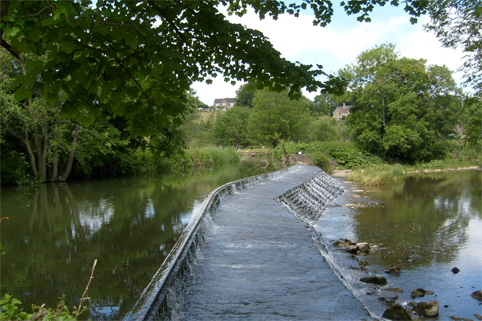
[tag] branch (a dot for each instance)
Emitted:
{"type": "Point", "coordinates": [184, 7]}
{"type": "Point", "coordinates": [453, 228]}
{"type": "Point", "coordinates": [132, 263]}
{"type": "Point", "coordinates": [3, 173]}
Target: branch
{"type": "Point", "coordinates": [86, 289]}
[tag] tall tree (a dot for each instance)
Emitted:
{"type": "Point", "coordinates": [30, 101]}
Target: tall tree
{"type": "Point", "coordinates": [231, 127]}
{"type": "Point", "coordinates": [402, 109]}
{"type": "Point", "coordinates": [245, 95]}
{"type": "Point", "coordinates": [457, 24]}
{"type": "Point", "coordinates": [276, 117]}
{"type": "Point", "coordinates": [138, 59]}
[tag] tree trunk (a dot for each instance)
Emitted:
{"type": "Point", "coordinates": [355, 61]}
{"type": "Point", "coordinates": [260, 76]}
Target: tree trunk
{"type": "Point", "coordinates": [70, 161]}
{"type": "Point", "coordinates": [55, 166]}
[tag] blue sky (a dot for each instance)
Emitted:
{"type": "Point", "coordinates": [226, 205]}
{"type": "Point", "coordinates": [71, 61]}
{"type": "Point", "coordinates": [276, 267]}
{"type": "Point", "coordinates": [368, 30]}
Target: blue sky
{"type": "Point", "coordinates": [340, 42]}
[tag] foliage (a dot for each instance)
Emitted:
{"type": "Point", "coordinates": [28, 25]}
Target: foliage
{"type": "Point", "coordinates": [473, 128]}
{"type": "Point", "coordinates": [324, 129]}
{"type": "Point", "coordinates": [402, 109]}
{"type": "Point", "coordinates": [457, 24]}
{"type": "Point", "coordinates": [10, 309]}
{"type": "Point", "coordinates": [377, 175]}
{"type": "Point", "coordinates": [231, 127]}
{"type": "Point", "coordinates": [324, 104]}
{"type": "Point", "coordinates": [245, 95]}
{"type": "Point", "coordinates": [322, 160]}
{"type": "Point", "coordinates": [276, 117]}
{"type": "Point", "coordinates": [196, 159]}
{"type": "Point", "coordinates": [106, 56]}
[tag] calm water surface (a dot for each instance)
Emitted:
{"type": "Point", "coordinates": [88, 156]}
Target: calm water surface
{"type": "Point", "coordinates": [426, 225]}
{"type": "Point", "coordinates": [55, 232]}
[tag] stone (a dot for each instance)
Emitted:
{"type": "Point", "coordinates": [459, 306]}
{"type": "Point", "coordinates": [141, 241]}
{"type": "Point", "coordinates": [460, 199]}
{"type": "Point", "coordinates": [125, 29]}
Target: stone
{"type": "Point", "coordinates": [455, 270]}
{"type": "Point", "coordinates": [363, 248]}
{"type": "Point", "coordinates": [394, 289]}
{"type": "Point", "coordinates": [394, 270]}
{"type": "Point", "coordinates": [427, 309]}
{"type": "Point", "coordinates": [396, 312]}
{"type": "Point", "coordinates": [342, 242]}
{"type": "Point", "coordinates": [477, 295]}
{"type": "Point", "coordinates": [374, 279]}
{"type": "Point", "coordinates": [478, 316]}
{"type": "Point", "coordinates": [417, 293]}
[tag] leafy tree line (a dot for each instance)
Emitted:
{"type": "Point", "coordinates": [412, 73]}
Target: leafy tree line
{"type": "Point", "coordinates": [403, 110]}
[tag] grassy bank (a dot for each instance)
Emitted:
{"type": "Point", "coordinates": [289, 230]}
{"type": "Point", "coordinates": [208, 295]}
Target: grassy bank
{"type": "Point", "coordinates": [196, 159]}
{"type": "Point", "coordinates": [388, 173]}
{"type": "Point", "coordinates": [369, 169]}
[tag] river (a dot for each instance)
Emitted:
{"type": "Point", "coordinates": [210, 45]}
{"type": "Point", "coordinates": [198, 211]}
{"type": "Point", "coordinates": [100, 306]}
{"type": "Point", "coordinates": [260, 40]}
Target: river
{"type": "Point", "coordinates": [56, 231]}
{"type": "Point", "coordinates": [427, 225]}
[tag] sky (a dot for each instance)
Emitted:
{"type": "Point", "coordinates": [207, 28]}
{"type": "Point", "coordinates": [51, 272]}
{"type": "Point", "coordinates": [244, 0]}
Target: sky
{"type": "Point", "coordinates": [339, 43]}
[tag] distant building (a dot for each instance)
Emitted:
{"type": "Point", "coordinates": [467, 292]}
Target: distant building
{"type": "Point", "coordinates": [341, 111]}
{"type": "Point", "coordinates": [223, 103]}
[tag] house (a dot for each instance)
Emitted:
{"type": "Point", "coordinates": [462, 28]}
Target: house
{"type": "Point", "coordinates": [341, 111]}
{"type": "Point", "coordinates": [223, 103]}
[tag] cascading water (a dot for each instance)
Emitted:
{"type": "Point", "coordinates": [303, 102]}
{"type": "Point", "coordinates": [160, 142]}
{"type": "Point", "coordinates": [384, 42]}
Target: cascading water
{"type": "Point", "coordinates": [307, 202]}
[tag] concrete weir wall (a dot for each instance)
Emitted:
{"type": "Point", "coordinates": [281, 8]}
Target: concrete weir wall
{"type": "Point", "coordinates": [308, 200]}
{"type": "Point", "coordinates": [161, 294]}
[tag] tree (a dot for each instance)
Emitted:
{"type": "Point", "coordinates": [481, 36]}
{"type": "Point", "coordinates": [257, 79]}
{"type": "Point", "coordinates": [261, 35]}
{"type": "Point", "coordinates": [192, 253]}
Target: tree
{"type": "Point", "coordinates": [138, 59]}
{"type": "Point", "coordinates": [324, 128]}
{"type": "Point", "coordinates": [402, 109]}
{"type": "Point", "coordinates": [231, 127]}
{"type": "Point", "coordinates": [324, 104]}
{"type": "Point", "coordinates": [276, 117]}
{"type": "Point", "coordinates": [245, 94]}
{"type": "Point", "coordinates": [457, 23]}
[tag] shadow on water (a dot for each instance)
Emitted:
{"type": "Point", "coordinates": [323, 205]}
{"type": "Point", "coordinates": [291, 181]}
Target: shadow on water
{"type": "Point", "coordinates": [55, 232]}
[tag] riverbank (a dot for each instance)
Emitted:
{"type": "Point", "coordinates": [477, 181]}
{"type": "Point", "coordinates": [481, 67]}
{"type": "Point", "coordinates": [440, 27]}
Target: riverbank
{"type": "Point", "coordinates": [386, 174]}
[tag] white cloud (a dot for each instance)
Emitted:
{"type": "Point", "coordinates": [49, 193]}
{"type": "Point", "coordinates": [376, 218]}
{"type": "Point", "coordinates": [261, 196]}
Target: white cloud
{"type": "Point", "coordinates": [338, 44]}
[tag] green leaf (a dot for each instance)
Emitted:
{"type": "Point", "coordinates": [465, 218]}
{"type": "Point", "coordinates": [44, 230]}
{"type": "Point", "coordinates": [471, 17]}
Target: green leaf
{"type": "Point", "coordinates": [11, 32]}
{"type": "Point", "coordinates": [23, 93]}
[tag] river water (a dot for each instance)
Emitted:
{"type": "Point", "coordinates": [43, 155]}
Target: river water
{"type": "Point", "coordinates": [426, 225]}
{"type": "Point", "coordinates": [56, 231]}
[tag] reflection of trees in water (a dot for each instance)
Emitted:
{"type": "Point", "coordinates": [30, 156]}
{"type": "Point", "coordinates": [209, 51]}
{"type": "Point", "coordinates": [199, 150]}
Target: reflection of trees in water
{"type": "Point", "coordinates": [425, 221]}
{"type": "Point", "coordinates": [57, 230]}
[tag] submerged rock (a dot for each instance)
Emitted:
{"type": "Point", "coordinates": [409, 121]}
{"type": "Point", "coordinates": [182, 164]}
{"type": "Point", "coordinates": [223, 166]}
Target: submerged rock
{"type": "Point", "coordinates": [418, 293]}
{"type": "Point", "coordinates": [343, 242]}
{"type": "Point", "coordinates": [477, 295]}
{"type": "Point", "coordinates": [427, 309]}
{"type": "Point", "coordinates": [374, 279]}
{"type": "Point", "coordinates": [394, 289]}
{"type": "Point", "coordinates": [396, 312]}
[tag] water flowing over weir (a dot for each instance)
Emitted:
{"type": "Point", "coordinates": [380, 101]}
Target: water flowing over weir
{"type": "Point", "coordinates": [162, 293]}
{"type": "Point", "coordinates": [260, 253]}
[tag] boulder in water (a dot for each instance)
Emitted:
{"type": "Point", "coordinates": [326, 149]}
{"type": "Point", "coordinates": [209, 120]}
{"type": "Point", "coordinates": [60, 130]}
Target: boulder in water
{"type": "Point", "coordinates": [427, 309]}
{"type": "Point", "coordinates": [477, 295]}
{"type": "Point", "coordinates": [396, 312]}
{"type": "Point", "coordinates": [374, 279]}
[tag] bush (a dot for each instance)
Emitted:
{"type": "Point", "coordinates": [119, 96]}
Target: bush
{"type": "Point", "coordinates": [322, 160]}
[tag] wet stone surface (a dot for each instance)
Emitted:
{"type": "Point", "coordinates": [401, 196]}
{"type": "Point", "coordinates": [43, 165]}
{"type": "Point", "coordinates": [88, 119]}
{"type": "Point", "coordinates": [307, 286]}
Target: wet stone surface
{"type": "Point", "coordinates": [259, 262]}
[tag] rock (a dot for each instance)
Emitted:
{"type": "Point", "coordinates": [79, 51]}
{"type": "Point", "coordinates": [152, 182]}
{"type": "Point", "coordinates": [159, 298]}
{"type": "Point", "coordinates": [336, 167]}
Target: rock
{"type": "Point", "coordinates": [394, 270]}
{"type": "Point", "coordinates": [394, 289]}
{"type": "Point", "coordinates": [460, 319]}
{"type": "Point", "coordinates": [396, 312]}
{"type": "Point", "coordinates": [374, 279]}
{"type": "Point", "coordinates": [427, 309]}
{"type": "Point", "coordinates": [427, 292]}
{"type": "Point", "coordinates": [417, 293]}
{"type": "Point", "coordinates": [477, 295]}
{"type": "Point", "coordinates": [342, 242]}
{"type": "Point", "coordinates": [478, 316]}
{"type": "Point", "coordinates": [455, 270]}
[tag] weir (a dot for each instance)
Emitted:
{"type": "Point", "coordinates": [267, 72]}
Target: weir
{"type": "Point", "coordinates": [245, 256]}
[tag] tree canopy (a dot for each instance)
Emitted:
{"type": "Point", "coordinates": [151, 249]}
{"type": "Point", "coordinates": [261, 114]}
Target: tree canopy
{"type": "Point", "coordinates": [138, 59]}
{"type": "Point", "coordinates": [402, 108]}
{"type": "Point", "coordinates": [457, 24]}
